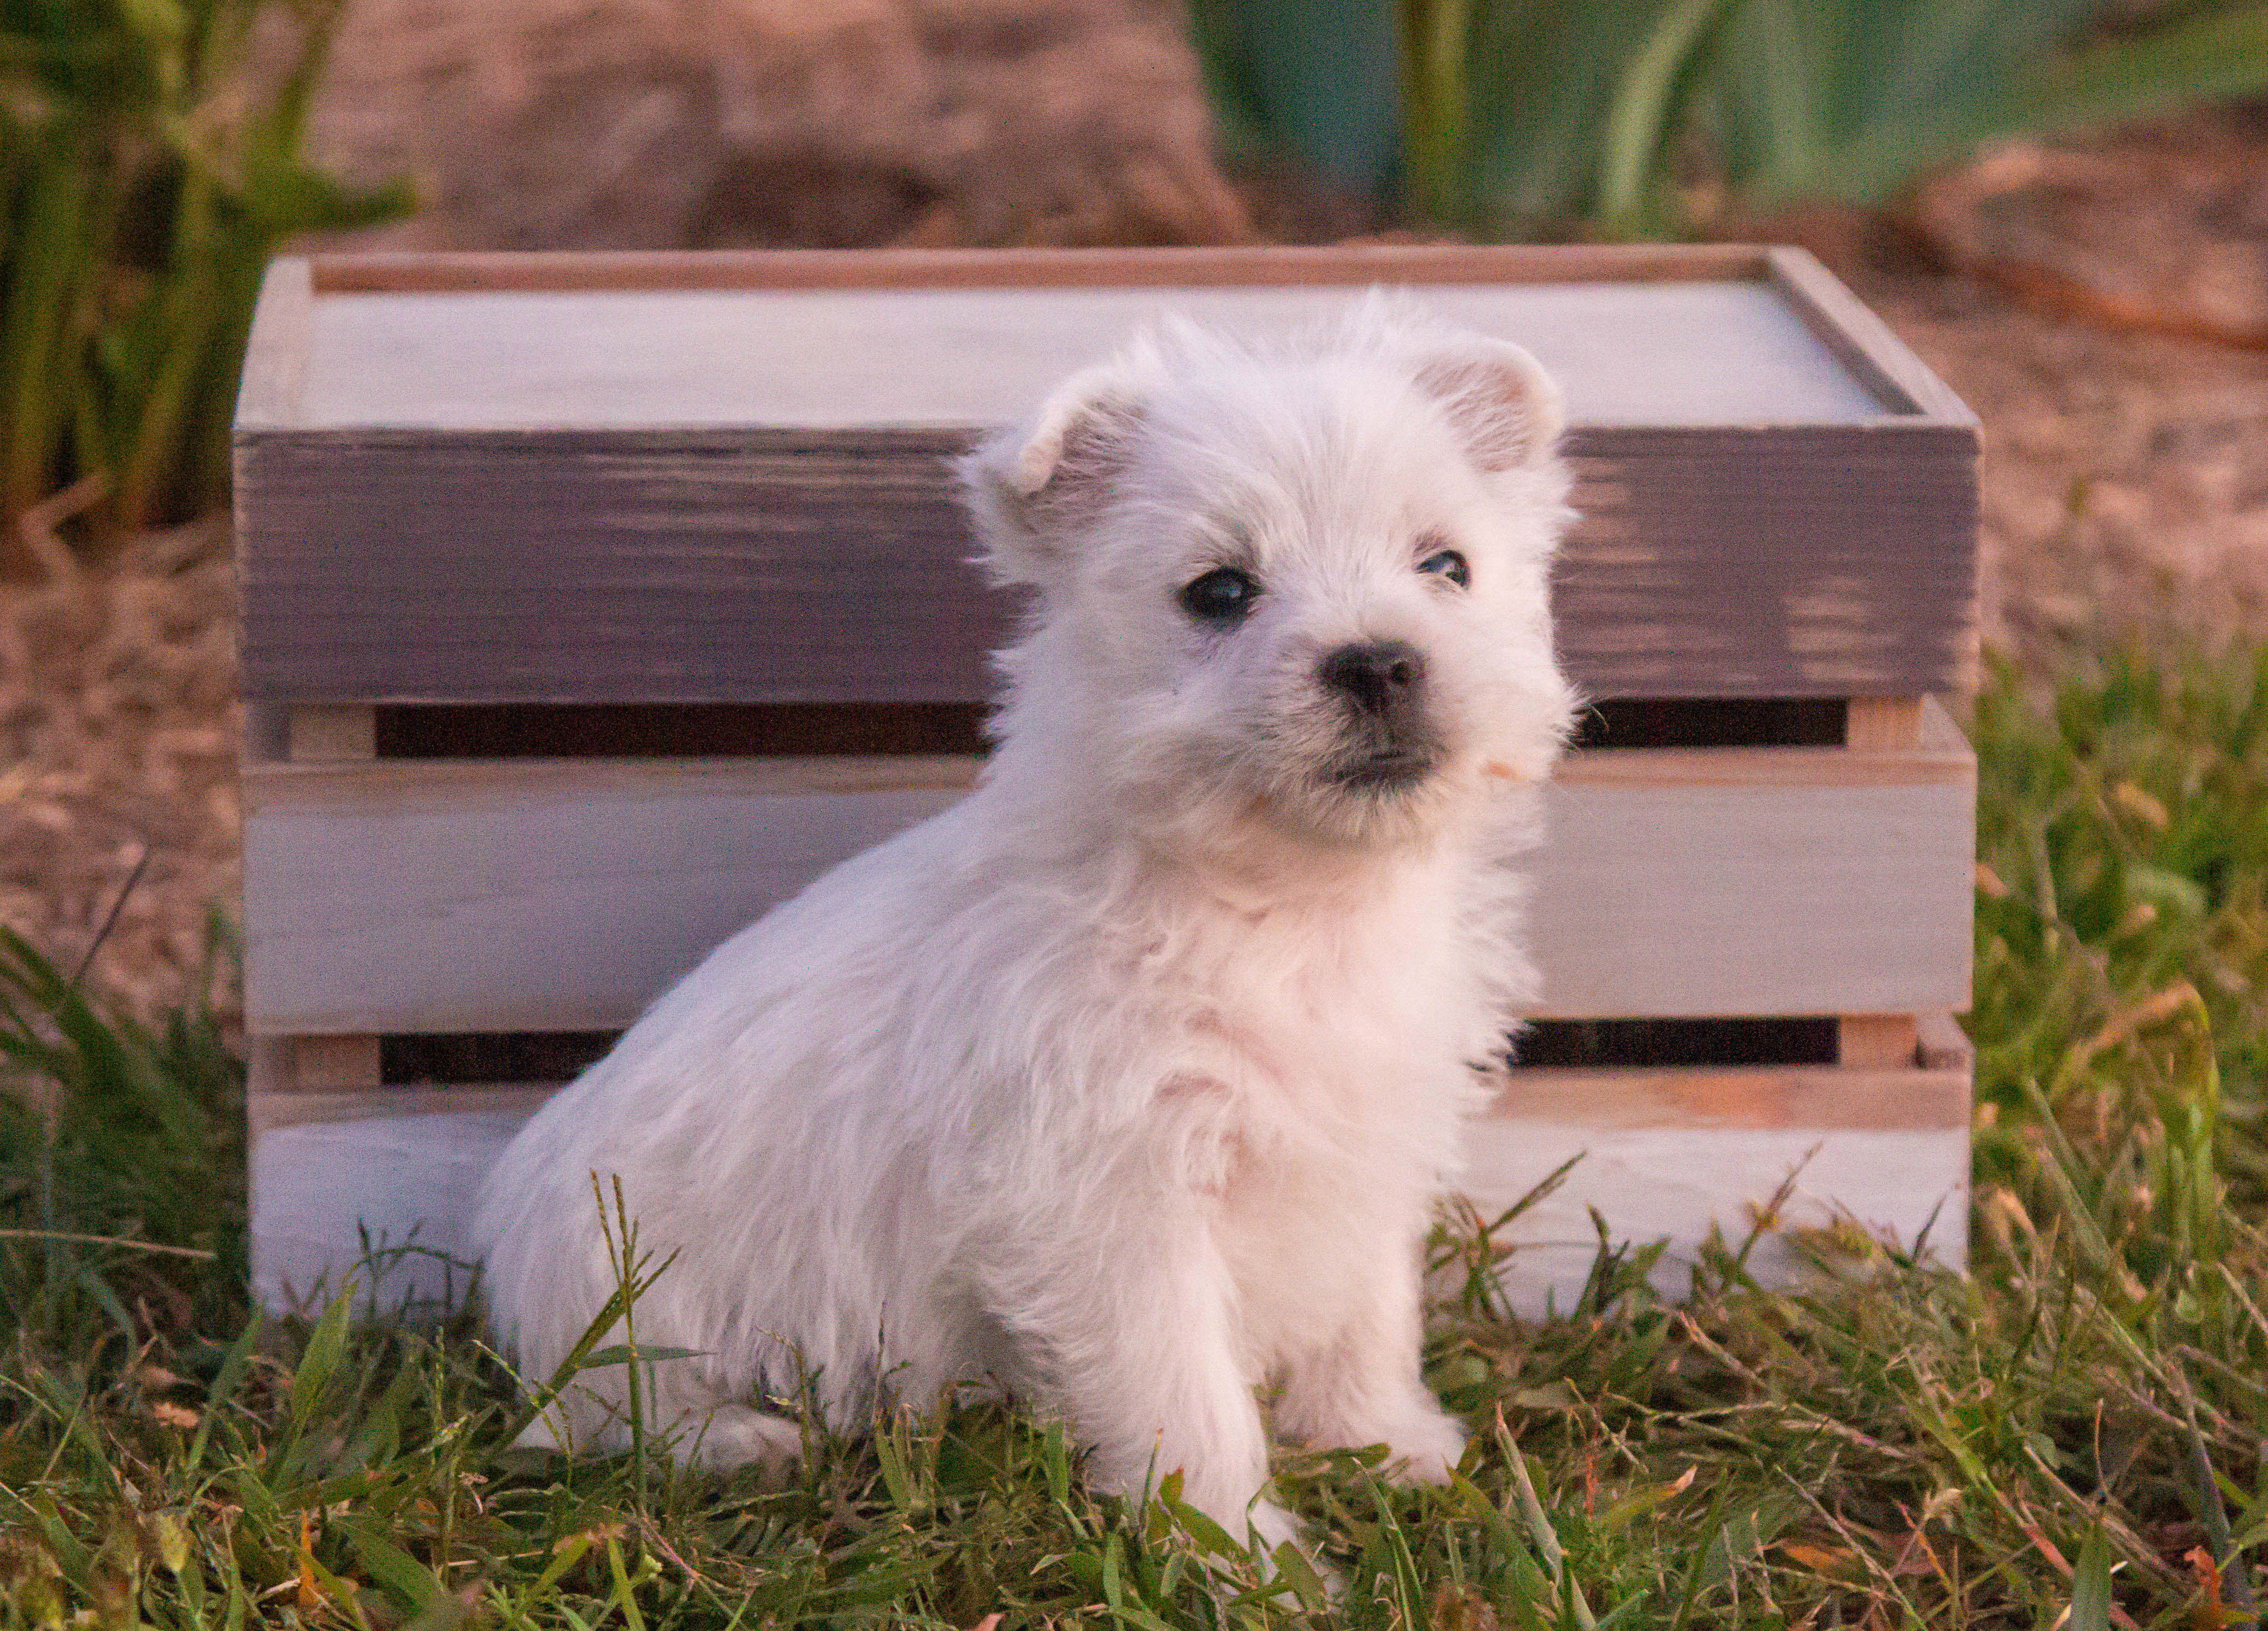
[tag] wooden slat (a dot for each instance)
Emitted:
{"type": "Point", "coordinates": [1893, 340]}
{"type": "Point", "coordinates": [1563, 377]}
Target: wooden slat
{"type": "Point", "coordinates": [276, 353]}
{"type": "Point", "coordinates": [1688, 353]}
{"type": "Point", "coordinates": [1343, 264]}
{"type": "Point", "coordinates": [1663, 1155]}
{"type": "Point", "coordinates": [738, 567]}
{"type": "Point", "coordinates": [1880, 1098]}
{"type": "Point", "coordinates": [265, 1111]}
{"type": "Point", "coordinates": [336, 1063]}
{"type": "Point", "coordinates": [319, 734]}
{"type": "Point", "coordinates": [1676, 1183]}
{"type": "Point", "coordinates": [541, 895]}
{"type": "Point", "coordinates": [1702, 882]}
{"type": "Point", "coordinates": [535, 895]}
{"type": "Point", "coordinates": [1863, 340]}
{"type": "Point", "coordinates": [1876, 1041]}
{"type": "Point", "coordinates": [1880, 723]}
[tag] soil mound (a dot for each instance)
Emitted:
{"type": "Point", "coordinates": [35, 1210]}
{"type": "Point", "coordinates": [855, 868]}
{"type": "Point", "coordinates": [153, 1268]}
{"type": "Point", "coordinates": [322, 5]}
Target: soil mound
{"type": "Point", "coordinates": [825, 123]}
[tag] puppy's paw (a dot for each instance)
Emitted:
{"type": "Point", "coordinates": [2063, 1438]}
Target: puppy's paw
{"type": "Point", "coordinates": [1424, 1449]}
{"type": "Point", "coordinates": [1272, 1525]}
{"type": "Point", "coordinates": [739, 1435]}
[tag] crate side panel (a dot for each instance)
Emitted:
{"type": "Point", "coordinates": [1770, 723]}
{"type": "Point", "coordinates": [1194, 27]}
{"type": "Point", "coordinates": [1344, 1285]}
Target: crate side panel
{"type": "Point", "coordinates": [565, 895]}
{"type": "Point", "coordinates": [1668, 897]}
{"type": "Point", "coordinates": [709, 566]}
{"type": "Point", "coordinates": [1788, 562]}
{"type": "Point", "coordinates": [318, 1189]}
{"type": "Point", "coordinates": [1674, 1183]}
{"type": "Point", "coordinates": [408, 897]}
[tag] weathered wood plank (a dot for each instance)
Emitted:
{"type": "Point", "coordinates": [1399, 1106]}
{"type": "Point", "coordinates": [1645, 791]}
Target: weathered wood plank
{"type": "Point", "coordinates": [1863, 341]}
{"type": "Point", "coordinates": [1664, 1154]}
{"type": "Point", "coordinates": [275, 352]}
{"type": "Point", "coordinates": [1876, 1041]}
{"type": "Point", "coordinates": [564, 895]}
{"type": "Point", "coordinates": [320, 733]}
{"type": "Point", "coordinates": [1711, 353]}
{"type": "Point", "coordinates": [1677, 1182]}
{"type": "Point", "coordinates": [501, 271]}
{"type": "Point", "coordinates": [1879, 722]}
{"type": "Point", "coordinates": [738, 566]}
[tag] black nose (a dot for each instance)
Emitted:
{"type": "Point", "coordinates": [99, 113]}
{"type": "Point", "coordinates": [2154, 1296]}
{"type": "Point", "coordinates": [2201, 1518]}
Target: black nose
{"type": "Point", "coordinates": [1379, 677]}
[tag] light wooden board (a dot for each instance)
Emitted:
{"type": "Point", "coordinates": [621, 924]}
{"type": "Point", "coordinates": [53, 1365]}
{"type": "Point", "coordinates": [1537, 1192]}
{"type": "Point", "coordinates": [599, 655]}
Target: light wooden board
{"type": "Point", "coordinates": [534, 895]}
{"type": "Point", "coordinates": [320, 1189]}
{"type": "Point", "coordinates": [1716, 353]}
{"type": "Point", "coordinates": [1674, 1183]}
{"type": "Point", "coordinates": [440, 503]}
{"type": "Point", "coordinates": [1710, 882]}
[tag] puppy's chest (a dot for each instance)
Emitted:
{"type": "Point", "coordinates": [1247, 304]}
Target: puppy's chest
{"type": "Point", "coordinates": [1356, 1056]}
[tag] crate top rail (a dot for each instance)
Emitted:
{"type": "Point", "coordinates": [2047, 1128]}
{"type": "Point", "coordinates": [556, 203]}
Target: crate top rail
{"type": "Point", "coordinates": [619, 479]}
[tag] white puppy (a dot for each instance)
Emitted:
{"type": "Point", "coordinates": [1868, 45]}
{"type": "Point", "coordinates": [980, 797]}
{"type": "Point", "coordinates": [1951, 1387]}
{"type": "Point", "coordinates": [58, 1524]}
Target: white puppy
{"type": "Point", "coordinates": [1128, 1082]}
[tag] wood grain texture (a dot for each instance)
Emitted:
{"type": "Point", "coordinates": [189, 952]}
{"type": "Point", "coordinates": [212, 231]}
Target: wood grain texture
{"type": "Point", "coordinates": [718, 566]}
{"type": "Point", "coordinates": [564, 895]}
{"type": "Point", "coordinates": [264, 1112]}
{"type": "Point", "coordinates": [402, 1172]}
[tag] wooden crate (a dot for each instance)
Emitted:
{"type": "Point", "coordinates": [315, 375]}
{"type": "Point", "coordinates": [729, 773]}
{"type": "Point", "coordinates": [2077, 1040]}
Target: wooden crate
{"type": "Point", "coordinates": [552, 683]}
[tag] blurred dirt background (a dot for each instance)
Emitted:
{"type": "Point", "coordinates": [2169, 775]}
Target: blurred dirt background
{"type": "Point", "coordinates": [2102, 305]}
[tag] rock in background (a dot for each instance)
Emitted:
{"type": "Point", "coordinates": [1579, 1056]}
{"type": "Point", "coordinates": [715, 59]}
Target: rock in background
{"type": "Point", "coordinates": [714, 123]}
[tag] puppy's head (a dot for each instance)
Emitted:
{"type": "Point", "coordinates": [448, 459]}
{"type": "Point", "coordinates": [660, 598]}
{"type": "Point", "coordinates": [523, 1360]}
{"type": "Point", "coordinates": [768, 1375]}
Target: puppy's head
{"type": "Point", "coordinates": [1306, 587]}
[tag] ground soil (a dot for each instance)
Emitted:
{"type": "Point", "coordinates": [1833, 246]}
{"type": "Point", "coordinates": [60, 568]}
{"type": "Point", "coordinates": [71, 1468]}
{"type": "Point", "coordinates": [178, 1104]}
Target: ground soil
{"type": "Point", "coordinates": [2103, 307]}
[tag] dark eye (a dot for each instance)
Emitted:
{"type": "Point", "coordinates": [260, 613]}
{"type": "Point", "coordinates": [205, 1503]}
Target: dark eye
{"type": "Point", "coordinates": [1223, 597]}
{"type": "Point", "coordinates": [1450, 565]}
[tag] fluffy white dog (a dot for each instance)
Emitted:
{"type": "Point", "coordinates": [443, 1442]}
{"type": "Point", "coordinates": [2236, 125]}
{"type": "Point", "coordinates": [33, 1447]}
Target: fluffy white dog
{"type": "Point", "coordinates": [1127, 1084]}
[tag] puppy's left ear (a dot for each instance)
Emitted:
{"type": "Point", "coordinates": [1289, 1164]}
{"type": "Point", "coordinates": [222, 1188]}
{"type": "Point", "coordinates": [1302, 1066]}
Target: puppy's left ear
{"type": "Point", "coordinates": [1034, 488]}
{"type": "Point", "coordinates": [1506, 409]}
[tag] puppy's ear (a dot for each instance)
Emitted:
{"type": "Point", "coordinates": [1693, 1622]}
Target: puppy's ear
{"type": "Point", "coordinates": [1504, 407]}
{"type": "Point", "coordinates": [1032, 489]}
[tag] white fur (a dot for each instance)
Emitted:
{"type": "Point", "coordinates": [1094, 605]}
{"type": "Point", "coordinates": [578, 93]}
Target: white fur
{"type": "Point", "coordinates": [1127, 1084]}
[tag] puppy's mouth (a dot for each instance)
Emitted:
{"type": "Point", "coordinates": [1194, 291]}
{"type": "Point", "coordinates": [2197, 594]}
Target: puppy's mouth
{"type": "Point", "coordinates": [1384, 771]}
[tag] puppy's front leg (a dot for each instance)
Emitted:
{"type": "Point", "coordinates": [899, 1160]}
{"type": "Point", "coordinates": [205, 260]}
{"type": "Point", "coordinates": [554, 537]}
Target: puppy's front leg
{"type": "Point", "coordinates": [1362, 1385]}
{"type": "Point", "coordinates": [1128, 1330]}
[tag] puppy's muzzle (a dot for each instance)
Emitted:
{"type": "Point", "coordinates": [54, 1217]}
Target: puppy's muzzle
{"type": "Point", "coordinates": [1383, 684]}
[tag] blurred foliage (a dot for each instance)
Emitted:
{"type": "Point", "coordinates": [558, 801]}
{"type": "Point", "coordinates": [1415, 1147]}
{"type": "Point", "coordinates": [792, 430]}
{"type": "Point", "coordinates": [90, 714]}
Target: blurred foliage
{"type": "Point", "coordinates": [146, 175]}
{"type": "Point", "coordinates": [1521, 117]}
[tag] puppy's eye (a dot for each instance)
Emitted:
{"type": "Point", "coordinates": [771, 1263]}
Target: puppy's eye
{"type": "Point", "coordinates": [1223, 597]}
{"type": "Point", "coordinates": [1450, 565]}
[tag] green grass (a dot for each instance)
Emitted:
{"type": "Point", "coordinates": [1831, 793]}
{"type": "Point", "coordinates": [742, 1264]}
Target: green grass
{"type": "Point", "coordinates": [2077, 1427]}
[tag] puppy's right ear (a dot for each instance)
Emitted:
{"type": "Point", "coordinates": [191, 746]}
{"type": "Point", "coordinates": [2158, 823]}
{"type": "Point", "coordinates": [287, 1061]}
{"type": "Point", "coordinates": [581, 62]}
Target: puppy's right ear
{"type": "Point", "coordinates": [1033, 489]}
